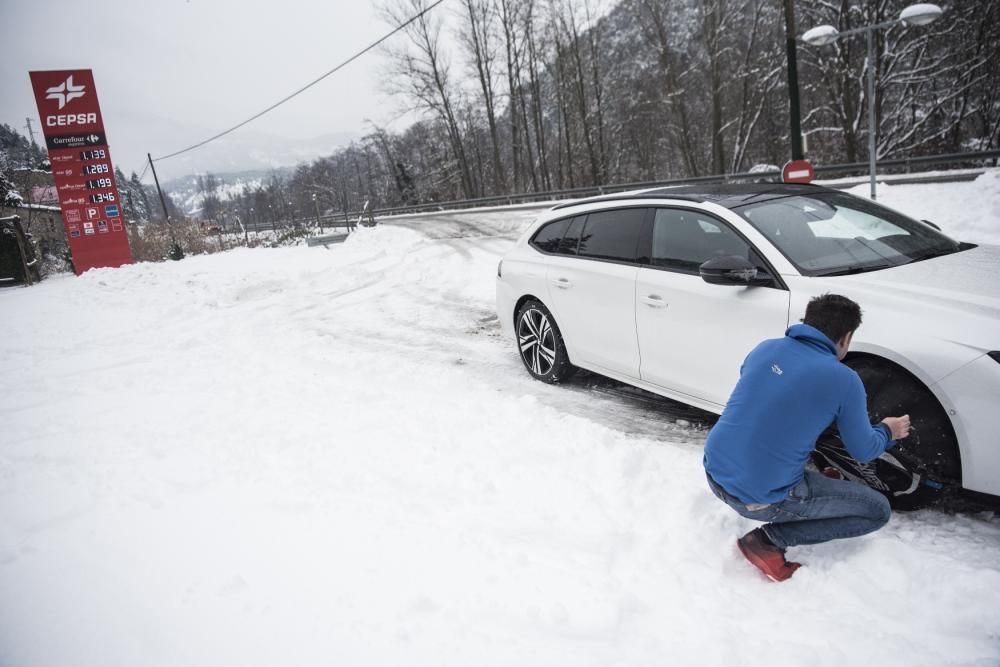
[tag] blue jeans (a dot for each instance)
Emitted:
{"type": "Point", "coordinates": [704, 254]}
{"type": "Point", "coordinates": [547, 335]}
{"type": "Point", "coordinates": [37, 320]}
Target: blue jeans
{"type": "Point", "coordinates": [817, 509]}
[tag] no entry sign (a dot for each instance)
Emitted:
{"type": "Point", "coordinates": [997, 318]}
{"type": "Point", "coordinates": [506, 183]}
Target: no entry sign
{"type": "Point", "coordinates": [798, 171]}
{"type": "Point", "coordinates": [81, 167]}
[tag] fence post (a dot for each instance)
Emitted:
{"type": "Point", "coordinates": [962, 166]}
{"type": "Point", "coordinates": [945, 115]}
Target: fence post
{"type": "Point", "coordinates": [319, 220]}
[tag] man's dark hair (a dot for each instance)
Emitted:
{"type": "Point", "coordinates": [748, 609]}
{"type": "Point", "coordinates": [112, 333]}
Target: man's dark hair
{"type": "Point", "coordinates": [834, 315]}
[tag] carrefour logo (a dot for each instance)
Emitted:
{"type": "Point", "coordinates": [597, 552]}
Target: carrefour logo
{"type": "Point", "coordinates": [65, 92]}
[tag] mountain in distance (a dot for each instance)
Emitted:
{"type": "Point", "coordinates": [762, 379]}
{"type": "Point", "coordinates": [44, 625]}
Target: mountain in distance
{"type": "Point", "coordinates": [246, 149]}
{"type": "Point", "coordinates": [238, 160]}
{"type": "Point", "coordinates": [185, 194]}
{"type": "Point", "coordinates": [235, 153]}
{"type": "Point", "coordinates": [257, 152]}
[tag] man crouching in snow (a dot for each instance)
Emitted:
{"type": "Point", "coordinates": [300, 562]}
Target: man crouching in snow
{"type": "Point", "coordinates": [790, 390]}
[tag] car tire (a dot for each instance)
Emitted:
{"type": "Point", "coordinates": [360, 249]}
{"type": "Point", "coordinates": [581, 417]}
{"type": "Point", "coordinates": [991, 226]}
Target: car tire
{"type": "Point", "coordinates": [916, 472]}
{"type": "Point", "coordinates": [540, 343]}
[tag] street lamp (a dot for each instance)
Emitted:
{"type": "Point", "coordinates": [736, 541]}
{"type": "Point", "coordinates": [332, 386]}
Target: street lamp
{"type": "Point", "coordinates": [919, 14]}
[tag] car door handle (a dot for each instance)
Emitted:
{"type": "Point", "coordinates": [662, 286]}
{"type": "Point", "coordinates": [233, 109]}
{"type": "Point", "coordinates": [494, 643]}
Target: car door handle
{"type": "Point", "coordinates": [654, 301]}
{"type": "Point", "coordinates": [562, 283]}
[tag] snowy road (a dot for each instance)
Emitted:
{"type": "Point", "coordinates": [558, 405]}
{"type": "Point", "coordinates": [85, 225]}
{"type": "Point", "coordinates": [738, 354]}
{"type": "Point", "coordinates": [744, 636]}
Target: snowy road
{"type": "Point", "coordinates": [330, 456]}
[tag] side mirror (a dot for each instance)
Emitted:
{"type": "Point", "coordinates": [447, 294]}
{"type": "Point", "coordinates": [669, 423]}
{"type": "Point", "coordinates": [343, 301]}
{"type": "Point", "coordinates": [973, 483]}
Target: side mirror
{"type": "Point", "coordinates": [730, 270]}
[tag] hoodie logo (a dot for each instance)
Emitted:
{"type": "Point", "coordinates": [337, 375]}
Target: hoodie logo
{"type": "Point", "coordinates": [776, 369]}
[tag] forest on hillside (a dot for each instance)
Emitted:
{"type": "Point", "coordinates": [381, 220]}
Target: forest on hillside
{"type": "Point", "coordinates": [534, 95]}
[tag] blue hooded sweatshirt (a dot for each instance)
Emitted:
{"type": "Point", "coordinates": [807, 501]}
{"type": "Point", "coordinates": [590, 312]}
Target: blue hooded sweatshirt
{"type": "Point", "coordinates": [790, 390]}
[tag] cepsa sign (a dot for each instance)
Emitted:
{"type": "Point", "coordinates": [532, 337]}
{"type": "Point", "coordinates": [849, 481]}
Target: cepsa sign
{"type": "Point", "coordinates": [81, 168]}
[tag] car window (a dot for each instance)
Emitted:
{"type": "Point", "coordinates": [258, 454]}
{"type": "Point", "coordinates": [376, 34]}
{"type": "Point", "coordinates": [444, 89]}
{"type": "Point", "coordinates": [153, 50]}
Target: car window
{"type": "Point", "coordinates": [571, 240]}
{"type": "Point", "coordinates": [683, 240]}
{"type": "Point", "coordinates": [548, 237]}
{"type": "Point", "coordinates": [612, 235]}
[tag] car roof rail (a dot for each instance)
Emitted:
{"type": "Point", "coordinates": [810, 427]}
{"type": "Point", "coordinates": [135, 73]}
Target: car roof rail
{"type": "Point", "coordinates": [626, 197]}
{"type": "Point", "coordinates": [728, 194]}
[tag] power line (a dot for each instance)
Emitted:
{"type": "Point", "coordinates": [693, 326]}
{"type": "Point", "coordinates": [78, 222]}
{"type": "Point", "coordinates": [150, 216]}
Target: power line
{"type": "Point", "coordinates": [305, 87]}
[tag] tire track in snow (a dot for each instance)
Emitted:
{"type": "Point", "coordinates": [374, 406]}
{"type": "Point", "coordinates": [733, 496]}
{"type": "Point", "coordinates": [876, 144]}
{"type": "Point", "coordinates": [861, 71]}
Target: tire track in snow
{"type": "Point", "coordinates": [465, 333]}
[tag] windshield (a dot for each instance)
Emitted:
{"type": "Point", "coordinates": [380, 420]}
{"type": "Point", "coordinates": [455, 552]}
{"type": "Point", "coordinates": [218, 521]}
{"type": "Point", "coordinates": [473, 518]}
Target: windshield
{"type": "Point", "coordinates": [831, 233]}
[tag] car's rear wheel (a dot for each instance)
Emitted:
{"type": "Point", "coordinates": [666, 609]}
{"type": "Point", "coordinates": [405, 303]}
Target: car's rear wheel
{"type": "Point", "coordinates": [915, 472]}
{"type": "Point", "coordinates": [541, 345]}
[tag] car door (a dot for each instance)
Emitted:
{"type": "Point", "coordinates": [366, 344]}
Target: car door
{"type": "Point", "coordinates": [694, 336]}
{"type": "Point", "coordinates": [592, 290]}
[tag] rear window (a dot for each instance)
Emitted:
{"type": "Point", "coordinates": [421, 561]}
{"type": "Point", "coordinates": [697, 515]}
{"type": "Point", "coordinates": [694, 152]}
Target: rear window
{"type": "Point", "coordinates": [572, 238]}
{"type": "Point", "coordinates": [612, 235]}
{"type": "Point", "coordinates": [548, 237]}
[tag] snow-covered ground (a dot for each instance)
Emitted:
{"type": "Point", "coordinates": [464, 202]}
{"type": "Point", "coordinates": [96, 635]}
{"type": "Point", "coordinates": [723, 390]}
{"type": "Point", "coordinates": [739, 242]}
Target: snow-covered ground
{"type": "Point", "coordinates": [309, 456]}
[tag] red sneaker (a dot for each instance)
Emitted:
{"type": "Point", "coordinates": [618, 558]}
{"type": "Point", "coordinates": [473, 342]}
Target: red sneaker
{"type": "Point", "coordinates": [766, 557]}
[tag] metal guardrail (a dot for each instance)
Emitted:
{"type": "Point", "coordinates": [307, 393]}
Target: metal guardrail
{"type": "Point", "coordinates": [326, 240]}
{"type": "Point", "coordinates": [590, 191]}
{"type": "Point", "coordinates": [331, 221]}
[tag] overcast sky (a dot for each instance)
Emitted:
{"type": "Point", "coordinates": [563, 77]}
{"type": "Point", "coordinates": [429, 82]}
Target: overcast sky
{"type": "Point", "coordinates": [172, 72]}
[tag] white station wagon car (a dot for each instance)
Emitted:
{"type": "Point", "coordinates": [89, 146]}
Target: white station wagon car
{"type": "Point", "coordinates": [669, 289]}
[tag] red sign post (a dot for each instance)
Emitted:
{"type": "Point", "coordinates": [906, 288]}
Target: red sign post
{"type": "Point", "coordinates": [798, 171]}
{"type": "Point", "coordinates": [81, 167]}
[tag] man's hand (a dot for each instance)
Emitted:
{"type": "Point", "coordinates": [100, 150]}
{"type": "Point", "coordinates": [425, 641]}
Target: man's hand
{"type": "Point", "coordinates": [900, 426]}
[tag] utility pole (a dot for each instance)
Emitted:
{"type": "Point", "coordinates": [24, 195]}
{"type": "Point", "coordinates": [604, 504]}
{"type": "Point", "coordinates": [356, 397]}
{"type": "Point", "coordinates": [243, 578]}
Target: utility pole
{"type": "Point", "coordinates": [131, 206]}
{"type": "Point", "coordinates": [163, 202]}
{"type": "Point", "coordinates": [793, 82]}
{"type": "Point", "coordinates": [31, 159]}
{"type": "Point", "coordinates": [31, 133]}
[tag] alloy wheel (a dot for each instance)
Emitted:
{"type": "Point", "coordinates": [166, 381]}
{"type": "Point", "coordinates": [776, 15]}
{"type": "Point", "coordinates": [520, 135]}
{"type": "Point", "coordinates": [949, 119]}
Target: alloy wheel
{"type": "Point", "coordinates": [536, 341]}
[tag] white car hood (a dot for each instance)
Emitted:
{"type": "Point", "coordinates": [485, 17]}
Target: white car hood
{"type": "Point", "coordinates": [953, 300]}
{"type": "Point", "coordinates": [967, 281]}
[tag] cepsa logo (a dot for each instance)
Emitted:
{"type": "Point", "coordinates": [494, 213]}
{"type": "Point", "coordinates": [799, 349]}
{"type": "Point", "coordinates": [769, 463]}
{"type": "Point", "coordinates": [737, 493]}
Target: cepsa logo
{"type": "Point", "coordinates": [65, 93]}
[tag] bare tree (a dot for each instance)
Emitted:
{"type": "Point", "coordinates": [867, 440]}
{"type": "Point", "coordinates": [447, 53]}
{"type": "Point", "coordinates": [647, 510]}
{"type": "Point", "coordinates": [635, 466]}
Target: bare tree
{"type": "Point", "coordinates": [659, 33]}
{"type": "Point", "coordinates": [509, 11]}
{"type": "Point", "coordinates": [535, 86]}
{"type": "Point", "coordinates": [570, 28]}
{"type": "Point", "coordinates": [759, 74]}
{"type": "Point", "coordinates": [480, 44]}
{"type": "Point", "coordinates": [422, 73]}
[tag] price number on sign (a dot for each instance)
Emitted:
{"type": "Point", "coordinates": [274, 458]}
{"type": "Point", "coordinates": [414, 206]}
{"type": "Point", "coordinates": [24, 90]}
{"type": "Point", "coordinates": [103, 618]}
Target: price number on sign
{"type": "Point", "coordinates": [96, 154]}
{"type": "Point", "coordinates": [104, 197]}
{"type": "Point", "coordinates": [99, 168]}
{"type": "Point", "coordinates": [99, 184]}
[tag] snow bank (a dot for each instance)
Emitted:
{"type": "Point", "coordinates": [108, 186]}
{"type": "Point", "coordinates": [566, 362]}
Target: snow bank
{"type": "Point", "coordinates": [307, 456]}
